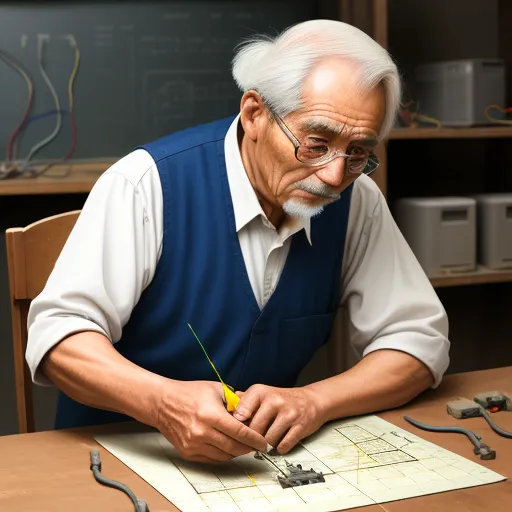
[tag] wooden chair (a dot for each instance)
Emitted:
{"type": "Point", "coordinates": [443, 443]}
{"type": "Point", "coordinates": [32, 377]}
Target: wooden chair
{"type": "Point", "coordinates": [31, 255]}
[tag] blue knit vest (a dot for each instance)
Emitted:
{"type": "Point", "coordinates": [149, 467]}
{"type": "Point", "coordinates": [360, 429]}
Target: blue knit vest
{"type": "Point", "coordinates": [201, 279]}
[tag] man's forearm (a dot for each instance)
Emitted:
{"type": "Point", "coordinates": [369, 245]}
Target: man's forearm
{"type": "Point", "coordinates": [87, 368]}
{"type": "Point", "coordinates": [382, 380]}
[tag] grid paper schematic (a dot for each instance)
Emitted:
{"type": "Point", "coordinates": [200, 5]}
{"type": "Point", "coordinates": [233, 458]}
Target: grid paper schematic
{"type": "Point", "coordinates": [364, 461]}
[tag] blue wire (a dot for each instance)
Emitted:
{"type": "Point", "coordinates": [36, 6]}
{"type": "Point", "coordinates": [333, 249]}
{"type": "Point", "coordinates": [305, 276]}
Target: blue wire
{"type": "Point", "coordinates": [46, 114]}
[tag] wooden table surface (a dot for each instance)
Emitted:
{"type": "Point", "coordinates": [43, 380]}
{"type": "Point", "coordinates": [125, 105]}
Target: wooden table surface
{"type": "Point", "coordinates": [72, 178]}
{"type": "Point", "coordinates": [49, 471]}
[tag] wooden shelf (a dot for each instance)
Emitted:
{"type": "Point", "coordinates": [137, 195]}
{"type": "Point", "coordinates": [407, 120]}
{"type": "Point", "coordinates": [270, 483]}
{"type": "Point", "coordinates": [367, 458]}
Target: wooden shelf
{"type": "Point", "coordinates": [74, 178]}
{"type": "Point", "coordinates": [483, 132]}
{"type": "Point", "coordinates": [480, 276]}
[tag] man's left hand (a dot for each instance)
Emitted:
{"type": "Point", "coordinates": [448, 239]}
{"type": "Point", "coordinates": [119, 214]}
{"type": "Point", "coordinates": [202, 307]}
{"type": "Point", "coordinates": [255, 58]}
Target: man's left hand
{"type": "Point", "coordinates": [283, 416]}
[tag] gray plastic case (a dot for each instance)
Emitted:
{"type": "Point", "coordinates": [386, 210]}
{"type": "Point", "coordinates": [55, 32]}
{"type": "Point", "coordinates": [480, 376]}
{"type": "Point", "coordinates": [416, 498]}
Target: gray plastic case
{"type": "Point", "coordinates": [494, 214]}
{"type": "Point", "coordinates": [441, 232]}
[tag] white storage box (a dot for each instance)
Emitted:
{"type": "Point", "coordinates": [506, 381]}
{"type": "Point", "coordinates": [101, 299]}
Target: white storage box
{"type": "Point", "coordinates": [441, 232]}
{"type": "Point", "coordinates": [494, 214]}
{"type": "Point", "coordinates": [457, 92]}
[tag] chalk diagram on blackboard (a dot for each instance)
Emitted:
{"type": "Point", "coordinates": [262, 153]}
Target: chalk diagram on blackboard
{"type": "Point", "coordinates": [174, 95]}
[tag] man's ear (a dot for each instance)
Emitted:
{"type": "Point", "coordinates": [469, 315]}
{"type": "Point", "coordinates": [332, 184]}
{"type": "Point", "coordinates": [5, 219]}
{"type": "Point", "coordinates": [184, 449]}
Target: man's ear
{"type": "Point", "coordinates": [253, 115]}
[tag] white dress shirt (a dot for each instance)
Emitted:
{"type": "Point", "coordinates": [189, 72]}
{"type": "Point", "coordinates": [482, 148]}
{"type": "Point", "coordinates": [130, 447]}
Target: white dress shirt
{"type": "Point", "coordinates": [112, 253]}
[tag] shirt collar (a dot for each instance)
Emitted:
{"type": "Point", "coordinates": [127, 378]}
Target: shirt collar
{"type": "Point", "coordinates": [245, 202]}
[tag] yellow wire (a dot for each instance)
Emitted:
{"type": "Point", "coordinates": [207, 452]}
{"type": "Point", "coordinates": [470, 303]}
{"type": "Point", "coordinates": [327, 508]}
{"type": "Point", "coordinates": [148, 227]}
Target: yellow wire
{"type": "Point", "coordinates": [232, 399]}
{"type": "Point", "coordinates": [417, 117]}
{"type": "Point", "coordinates": [251, 478]}
{"type": "Point", "coordinates": [72, 78]}
{"type": "Point", "coordinates": [206, 353]}
{"type": "Point", "coordinates": [426, 119]}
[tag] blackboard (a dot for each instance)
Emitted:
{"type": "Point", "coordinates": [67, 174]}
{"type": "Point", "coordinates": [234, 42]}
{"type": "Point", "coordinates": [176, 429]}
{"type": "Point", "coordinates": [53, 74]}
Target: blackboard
{"type": "Point", "coordinates": [147, 68]}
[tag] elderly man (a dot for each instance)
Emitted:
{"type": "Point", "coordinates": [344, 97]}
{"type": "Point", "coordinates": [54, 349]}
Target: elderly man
{"type": "Point", "coordinates": [256, 229]}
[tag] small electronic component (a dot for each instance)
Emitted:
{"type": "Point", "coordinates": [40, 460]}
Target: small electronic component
{"type": "Point", "coordinates": [293, 475]}
{"type": "Point", "coordinates": [494, 401]}
{"type": "Point", "coordinates": [298, 476]}
{"type": "Point", "coordinates": [462, 408]}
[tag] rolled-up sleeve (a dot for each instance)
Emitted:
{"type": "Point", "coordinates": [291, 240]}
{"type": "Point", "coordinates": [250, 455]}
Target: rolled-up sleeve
{"type": "Point", "coordinates": [107, 261]}
{"type": "Point", "coordinates": [390, 302]}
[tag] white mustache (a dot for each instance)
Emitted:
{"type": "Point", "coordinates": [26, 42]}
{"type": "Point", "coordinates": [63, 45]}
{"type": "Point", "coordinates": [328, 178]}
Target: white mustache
{"type": "Point", "coordinates": [318, 189]}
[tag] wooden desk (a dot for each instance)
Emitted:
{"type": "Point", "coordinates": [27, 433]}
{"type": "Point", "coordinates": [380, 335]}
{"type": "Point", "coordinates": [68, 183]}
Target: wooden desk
{"type": "Point", "coordinates": [73, 178]}
{"type": "Point", "coordinates": [49, 471]}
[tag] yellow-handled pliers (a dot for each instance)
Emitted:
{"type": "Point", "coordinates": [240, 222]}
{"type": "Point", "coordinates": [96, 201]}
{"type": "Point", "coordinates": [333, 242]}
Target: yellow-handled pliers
{"type": "Point", "coordinates": [231, 399]}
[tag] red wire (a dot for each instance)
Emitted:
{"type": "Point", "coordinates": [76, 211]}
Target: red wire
{"type": "Point", "coordinates": [19, 127]}
{"type": "Point", "coordinates": [73, 143]}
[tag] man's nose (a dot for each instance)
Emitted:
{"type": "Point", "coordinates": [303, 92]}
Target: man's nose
{"type": "Point", "coordinates": [333, 172]}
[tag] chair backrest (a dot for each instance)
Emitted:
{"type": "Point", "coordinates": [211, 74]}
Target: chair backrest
{"type": "Point", "coordinates": [31, 255]}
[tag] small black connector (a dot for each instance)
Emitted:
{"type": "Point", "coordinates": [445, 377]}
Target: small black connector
{"type": "Point", "coordinates": [470, 413]}
{"type": "Point", "coordinates": [95, 460]}
{"type": "Point", "coordinates": [485, 452]}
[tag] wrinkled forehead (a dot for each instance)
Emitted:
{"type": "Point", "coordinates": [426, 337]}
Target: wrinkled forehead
{"type": "Point", "coordinates": [333, 98]}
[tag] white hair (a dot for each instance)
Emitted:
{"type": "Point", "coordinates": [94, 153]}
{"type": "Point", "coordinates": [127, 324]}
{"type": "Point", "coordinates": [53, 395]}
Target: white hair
{"type": "Point", "coordinates": [278, 67]}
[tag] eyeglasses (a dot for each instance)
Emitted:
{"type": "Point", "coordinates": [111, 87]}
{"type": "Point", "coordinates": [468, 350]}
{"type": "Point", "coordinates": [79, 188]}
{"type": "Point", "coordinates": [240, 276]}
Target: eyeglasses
{"type": "Point", "coordinates": [316, 152]}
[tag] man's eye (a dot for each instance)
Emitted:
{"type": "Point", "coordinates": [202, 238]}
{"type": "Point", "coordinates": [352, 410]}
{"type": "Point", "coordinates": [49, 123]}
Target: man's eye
{"type": "Point", "coordinates": [357, 151]}
{"type": "Point", "coordinates": [314, 145]}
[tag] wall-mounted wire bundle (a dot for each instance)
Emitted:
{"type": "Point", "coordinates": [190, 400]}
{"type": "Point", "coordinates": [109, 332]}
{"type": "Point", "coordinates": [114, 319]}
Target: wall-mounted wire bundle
{"type": "Point", "coordinates": [40, 46]}
{"type": "Point", "coordinates": [12, 164]}
{"type": "Point", "coordinates": [71, 100]}
{"type": "Point", "coordinates": [13, 63]}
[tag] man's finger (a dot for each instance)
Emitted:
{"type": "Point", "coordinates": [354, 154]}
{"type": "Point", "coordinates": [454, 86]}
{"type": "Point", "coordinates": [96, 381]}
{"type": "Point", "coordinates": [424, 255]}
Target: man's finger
{"type": "Point", "coordinates": [233, 428]}
{"type": "Point", "coordinates": [278, 429]}
{"type": "Point", "coordinates": [263, 418]}
{"type": "Point", "coordinates": [216, 454]}
{"type": "Point", "coordinates": [227, 444]}
{"type": "Point", "coordinates": [293, 436]}
{"type": "Point", "coordinates": [249, 404]}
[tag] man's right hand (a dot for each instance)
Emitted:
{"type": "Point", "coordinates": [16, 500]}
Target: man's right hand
{"type": "Point", "coordinates": [192, 416]}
